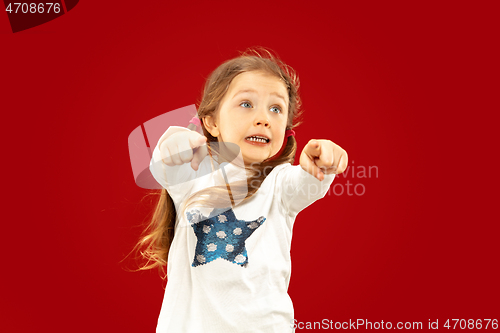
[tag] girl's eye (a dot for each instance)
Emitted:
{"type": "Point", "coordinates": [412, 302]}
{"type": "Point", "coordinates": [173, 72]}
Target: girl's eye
{"type": "Point", "coordinates": [274, 107]}
{"type": "Point", "coordinates": [277, 108]}
{"type": "Point", "coordinates": [245, 103]}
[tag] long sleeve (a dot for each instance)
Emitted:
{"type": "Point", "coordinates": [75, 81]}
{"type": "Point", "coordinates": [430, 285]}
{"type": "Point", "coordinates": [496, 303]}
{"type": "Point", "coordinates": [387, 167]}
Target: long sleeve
{"type": "Point", "coordinates": [300, 189]}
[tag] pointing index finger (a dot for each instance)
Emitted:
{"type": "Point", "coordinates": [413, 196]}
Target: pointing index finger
{"type": "Point", "coordinates": [313, 149]}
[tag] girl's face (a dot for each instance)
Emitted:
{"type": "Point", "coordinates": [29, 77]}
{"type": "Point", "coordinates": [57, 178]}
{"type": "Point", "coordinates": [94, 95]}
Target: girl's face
{"type": "Point", "coordinates": [256, 104]}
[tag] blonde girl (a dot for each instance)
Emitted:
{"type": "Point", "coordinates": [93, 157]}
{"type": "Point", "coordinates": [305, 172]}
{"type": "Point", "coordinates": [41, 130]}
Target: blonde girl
{"type": "Point", "coordinates": [223, 222]}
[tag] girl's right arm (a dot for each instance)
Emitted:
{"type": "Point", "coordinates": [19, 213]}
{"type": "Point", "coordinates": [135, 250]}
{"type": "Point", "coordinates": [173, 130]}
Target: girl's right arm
{"type": "Point", "coordinates": [177, 147]}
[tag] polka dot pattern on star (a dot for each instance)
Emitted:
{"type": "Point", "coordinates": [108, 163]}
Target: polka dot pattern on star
{"type": "Point", "coordinates": [221, 235]}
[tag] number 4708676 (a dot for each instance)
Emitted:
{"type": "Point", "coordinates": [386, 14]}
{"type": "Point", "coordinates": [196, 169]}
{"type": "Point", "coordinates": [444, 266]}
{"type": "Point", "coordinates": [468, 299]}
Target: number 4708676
{"type": "Point", "coordinates": [34, 7]}
{"type": "Point", "coordinates": [472, 324]}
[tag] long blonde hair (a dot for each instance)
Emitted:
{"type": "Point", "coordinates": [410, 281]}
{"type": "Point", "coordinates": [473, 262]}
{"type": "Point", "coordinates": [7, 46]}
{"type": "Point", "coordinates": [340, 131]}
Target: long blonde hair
{"type": "Point", "coordinates": [155, 242]}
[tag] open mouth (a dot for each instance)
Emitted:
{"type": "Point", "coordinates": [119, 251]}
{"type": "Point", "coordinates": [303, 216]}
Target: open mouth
{"type": "Point", "coordinates": [258, 139]}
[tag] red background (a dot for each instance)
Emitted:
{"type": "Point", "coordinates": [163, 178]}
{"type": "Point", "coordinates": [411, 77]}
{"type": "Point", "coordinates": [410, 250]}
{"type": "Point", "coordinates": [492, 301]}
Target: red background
{"type": "Point", "coordinates": [411, 88]}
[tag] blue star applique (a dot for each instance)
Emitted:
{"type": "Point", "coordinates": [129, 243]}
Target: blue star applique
{"type": "Point", "coordinates": [221, 235]}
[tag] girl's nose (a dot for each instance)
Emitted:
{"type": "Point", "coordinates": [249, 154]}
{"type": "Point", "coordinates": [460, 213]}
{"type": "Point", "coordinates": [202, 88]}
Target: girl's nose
{"type": "Point", "coordinates": [261, 118]}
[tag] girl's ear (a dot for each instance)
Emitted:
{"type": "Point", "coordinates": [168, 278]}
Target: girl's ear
{"type": "Point", "coordinates": [211, 126]}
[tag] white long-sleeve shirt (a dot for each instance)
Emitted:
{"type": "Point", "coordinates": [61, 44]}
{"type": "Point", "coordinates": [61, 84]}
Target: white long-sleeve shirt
{"type": "Point", "coordinates": [229, 269]}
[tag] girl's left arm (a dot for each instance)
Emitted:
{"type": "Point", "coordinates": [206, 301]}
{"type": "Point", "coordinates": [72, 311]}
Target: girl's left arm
{"type": "Point", "coordinates": [320, 157]}
{"type": "Point", "coordinates": [301, 185]}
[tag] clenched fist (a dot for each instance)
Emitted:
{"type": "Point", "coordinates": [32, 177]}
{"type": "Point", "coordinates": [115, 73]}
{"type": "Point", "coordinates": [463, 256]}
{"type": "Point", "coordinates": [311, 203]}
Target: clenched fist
{"type": "Point", "coordinates": [184, 147]}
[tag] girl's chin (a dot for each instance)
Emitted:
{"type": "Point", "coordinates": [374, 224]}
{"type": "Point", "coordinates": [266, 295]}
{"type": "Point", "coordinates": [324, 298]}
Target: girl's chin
{"type": "Point", "coordinates": [255, 155]}
{"type": "Point", "coordinates": [252, 160]}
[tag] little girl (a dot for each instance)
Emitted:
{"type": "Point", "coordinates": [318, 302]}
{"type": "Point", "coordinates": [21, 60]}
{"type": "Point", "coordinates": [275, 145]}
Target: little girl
{"type": "Point", "coordinates": [225, 216]}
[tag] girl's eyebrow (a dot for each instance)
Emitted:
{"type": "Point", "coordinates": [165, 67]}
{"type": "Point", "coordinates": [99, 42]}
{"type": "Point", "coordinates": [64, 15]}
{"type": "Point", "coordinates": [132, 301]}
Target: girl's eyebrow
{"type": "Point", "coordinates": [254, 91]}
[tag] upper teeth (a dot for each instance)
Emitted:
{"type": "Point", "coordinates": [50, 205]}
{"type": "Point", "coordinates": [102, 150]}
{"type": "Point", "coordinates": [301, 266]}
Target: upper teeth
{"type": "Point", "coordinates": [257, 138]}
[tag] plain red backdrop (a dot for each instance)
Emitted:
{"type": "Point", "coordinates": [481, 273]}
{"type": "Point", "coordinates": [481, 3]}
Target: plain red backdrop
{"type": "Point", "coordinates": [410, 88]}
